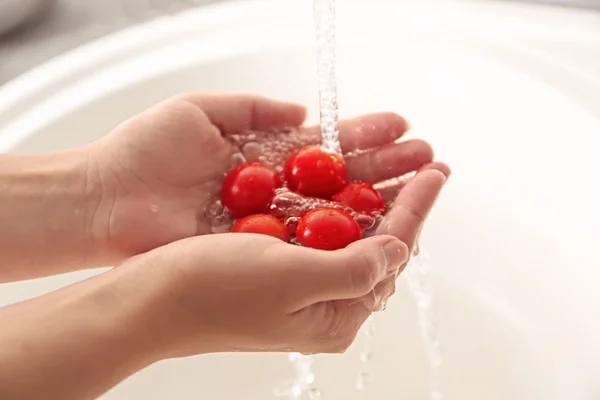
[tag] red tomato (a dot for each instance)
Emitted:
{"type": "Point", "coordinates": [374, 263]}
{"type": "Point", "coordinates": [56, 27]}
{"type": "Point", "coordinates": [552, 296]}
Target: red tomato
{"type": "Point", "coordinates": [316, 173]}
{"type": "Point", "coordinates": [327, 229]}
{"type": "Point", "coordinates": [264, 224]}
{"type": "Point", "coordinates": [362, 197]}
{"type": "Point", "coordinates": [249, 189]}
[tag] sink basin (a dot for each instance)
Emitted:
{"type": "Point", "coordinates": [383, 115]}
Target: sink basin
{"type": "Point", "coordinates": [509, 96]}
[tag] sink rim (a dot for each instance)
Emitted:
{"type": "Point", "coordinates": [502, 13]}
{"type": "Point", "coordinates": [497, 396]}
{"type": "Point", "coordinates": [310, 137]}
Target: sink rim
{"type": "Point", "coordinates": [67, 69]}
{"type": "Point", "coordinates": [539, 21]}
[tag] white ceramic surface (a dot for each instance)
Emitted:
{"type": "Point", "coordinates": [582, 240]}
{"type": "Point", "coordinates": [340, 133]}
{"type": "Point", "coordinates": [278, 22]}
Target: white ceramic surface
{"type": "Point", "coordinates": [514, 237]}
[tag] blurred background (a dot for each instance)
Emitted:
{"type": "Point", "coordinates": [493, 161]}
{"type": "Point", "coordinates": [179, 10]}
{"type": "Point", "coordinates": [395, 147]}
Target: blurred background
{"type": "Point", "coordinates": [33, 31]}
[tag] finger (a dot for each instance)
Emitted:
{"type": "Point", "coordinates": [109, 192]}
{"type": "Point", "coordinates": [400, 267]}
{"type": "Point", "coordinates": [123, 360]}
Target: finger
{"type": "Point", "coordinates": [348, 273]}
{"type": "Point", "coordinates": [390, 189]}
{"type": "Point", "coordinates": [240, 113]}
{"type": "Point", "coordinates": [367, 131]}
{"type": "Point", "coordinates": [388, 161]}
{"type": "Point", "coordinates": [410, 209]}
{"type": "Point", "coordinates": [377, 299]}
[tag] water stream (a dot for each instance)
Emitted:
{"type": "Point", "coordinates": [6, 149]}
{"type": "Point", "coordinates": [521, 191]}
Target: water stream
{"type": "Point", "coordinates": [417, 272]}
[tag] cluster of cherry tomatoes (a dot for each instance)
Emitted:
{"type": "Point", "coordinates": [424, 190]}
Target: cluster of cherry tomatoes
{"type": "Point", "coordinates": [248, 192]}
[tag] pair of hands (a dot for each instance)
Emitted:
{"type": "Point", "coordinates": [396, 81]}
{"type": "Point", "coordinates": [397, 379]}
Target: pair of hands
{"type": "Point", "coordinates": [243, 292]}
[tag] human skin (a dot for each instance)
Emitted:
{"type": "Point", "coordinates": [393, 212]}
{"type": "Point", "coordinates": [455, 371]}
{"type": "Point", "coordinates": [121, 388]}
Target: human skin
{"type": "Point", "coordinates": [135, 199]}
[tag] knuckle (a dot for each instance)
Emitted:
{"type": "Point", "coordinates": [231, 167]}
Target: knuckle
{"type": "Point", "coordinates": [181, 104]}
{"type": "Point", "coordinates": [363, 272]}
{"type": "Point", "coordinates": [425, 147]}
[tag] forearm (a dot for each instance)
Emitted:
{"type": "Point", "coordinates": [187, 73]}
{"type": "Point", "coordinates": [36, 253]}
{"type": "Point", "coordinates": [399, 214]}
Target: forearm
{"type": "Point", "coordinates": [48, 204]}
{"type": "Point", "coordinates": [75, 343]}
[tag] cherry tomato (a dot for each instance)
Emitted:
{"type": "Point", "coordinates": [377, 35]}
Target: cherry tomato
{"type": "Point", "coordinates": [362, 197]}
{"type": "Point", "coordinates": [328, 229]}
{"type": "Point", "coordinates": [316, 173]}
{"type": "Point", "coordinates": [264, 224]}
{"type": "Point", "coordinates": [249, 189]}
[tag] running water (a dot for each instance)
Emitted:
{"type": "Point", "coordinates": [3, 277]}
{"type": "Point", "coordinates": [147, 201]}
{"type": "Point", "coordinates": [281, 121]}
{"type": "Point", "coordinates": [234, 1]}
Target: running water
{"type": "Point", "coordinates": [272, 149]}
{"type": "Point", "coordinates": [324, 16]}
{"type": "Point", "coordinates": [418, 276]}
{"type": "Point", "coordinates": [366, 355]}
{"type": "Point", "coordinates": [418, 272]}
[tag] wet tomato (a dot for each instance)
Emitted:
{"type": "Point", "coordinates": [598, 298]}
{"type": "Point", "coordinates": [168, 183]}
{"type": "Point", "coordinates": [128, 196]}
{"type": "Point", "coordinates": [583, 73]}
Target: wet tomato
{"type": "Point", "coordinates": [249, 189]}
{"type": "Point", "coordinates": [361, 197]}
{"type": "Point", "coordinates": [264, 224]}
{"type": "Point", "coordinates": [313, 172]}
{"type": "Point", "coordinates": [327, 229]}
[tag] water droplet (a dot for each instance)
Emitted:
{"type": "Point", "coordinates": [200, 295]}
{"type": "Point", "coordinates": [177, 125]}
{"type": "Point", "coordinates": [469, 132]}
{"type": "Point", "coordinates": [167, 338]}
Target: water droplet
{"type": "Point", "coordinates": [382, 306]}
{"type": "Point", "coordinates": [252, 151]}
{"type": "Point", "coordinates": [416, 250]}
{"type": "Point", "coordinates": [367, 222]}
{"type": "Point", "coordinates": [292, 224]}
{"type": "Point", "coordinates": [356, 152]}
{"type": "Point", "coordinates": [154, 208]}
{"type": "Point", "coordinates": [363, 381]}
{"type": "Point", "coordinates": [370, 330]}
{"type": "Point", "coordinates": [289, 204]}
{"type": "Point", "coordinates": [213, 209]}
{"type": "Point", "coordinates": [314, 394]}
{"type": "Point", "coordinates": [237, 159]}
{"type": "Point", "coordinates": [309, 378]}
{"type": "Point", "coordinates": [366, 356]}
{"type": "Point", "coordinates": [288, 390]}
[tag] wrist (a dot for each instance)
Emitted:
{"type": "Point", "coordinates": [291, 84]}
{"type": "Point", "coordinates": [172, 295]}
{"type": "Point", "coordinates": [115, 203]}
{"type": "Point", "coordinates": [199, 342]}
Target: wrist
{"type": "Point", "coordinates": [48, 210]}
{"type": "Point", "coordinates": [90, 330]}
{"type": "Point", "coordinates": [166, 301]}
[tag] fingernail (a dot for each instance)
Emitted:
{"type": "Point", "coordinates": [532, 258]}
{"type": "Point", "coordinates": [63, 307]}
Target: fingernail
{"type": "Point", "coordinates": [395, 254]}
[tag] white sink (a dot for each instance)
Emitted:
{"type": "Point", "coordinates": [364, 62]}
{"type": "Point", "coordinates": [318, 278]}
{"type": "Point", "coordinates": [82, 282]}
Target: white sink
{"type": "Point", "coordinates": [507, 95]}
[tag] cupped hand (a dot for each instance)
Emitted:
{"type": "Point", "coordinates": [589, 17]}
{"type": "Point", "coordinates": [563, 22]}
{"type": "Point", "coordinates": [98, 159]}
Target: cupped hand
{"type": "Point", "coordinates": [161, 168]}
{"type": "Point", "coordinates": [257, 293]}
{"type": "Point", "coordinates": [246, 292]}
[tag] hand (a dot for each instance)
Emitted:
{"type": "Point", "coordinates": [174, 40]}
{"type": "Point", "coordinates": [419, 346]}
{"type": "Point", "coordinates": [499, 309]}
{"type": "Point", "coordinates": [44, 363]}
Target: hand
{"type": "Point", "coordinates": [258, 293]}
{"type": "Point", "coordinates": [159, 170]}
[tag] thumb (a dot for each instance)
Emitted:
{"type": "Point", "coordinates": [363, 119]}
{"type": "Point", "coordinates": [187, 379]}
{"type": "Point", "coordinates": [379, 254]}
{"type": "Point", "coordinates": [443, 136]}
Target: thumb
{"type": "Point", "coordinates": [319, 276]}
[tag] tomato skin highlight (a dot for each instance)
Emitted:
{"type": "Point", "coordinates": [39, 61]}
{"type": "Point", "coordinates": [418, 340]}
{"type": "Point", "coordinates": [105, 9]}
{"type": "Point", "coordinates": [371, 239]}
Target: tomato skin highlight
{"type": "Point", "coordinates": [264, 224]}
{"type": "Point", "coordinates": [361, 197]}
{"type": "Point", "coordinates": [313, 172]}
{"type": "Point", "coordinates": [327, 229]}
{"type": "Point", "coordinates": [249, 189]}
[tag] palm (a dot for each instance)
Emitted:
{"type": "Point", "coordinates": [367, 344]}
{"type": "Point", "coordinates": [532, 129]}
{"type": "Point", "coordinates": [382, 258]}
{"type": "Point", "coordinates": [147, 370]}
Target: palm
{"type": "Point", "coordinates": [169, 164]}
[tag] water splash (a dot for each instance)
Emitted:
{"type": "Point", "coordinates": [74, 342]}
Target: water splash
{"type": "Point", "coordinates": [303, 384]}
